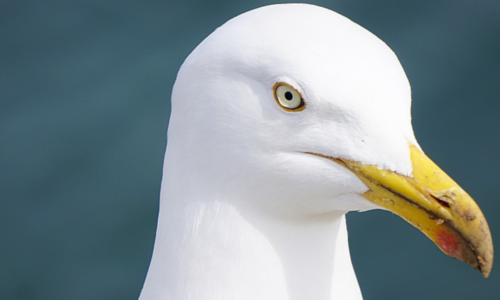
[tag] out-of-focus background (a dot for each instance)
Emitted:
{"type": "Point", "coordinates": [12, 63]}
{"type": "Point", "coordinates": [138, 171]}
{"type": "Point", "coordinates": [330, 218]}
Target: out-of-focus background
{"type": "Point", "coordinates": [84, 106]}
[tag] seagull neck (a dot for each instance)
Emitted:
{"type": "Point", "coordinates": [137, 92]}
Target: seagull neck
{"type": "Point", "coordinates": [208, 249]}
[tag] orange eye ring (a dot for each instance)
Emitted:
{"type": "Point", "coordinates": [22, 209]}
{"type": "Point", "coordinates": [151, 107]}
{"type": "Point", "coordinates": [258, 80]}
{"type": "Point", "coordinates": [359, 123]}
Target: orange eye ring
{"type": "Point", "coordinates": [288, 98]}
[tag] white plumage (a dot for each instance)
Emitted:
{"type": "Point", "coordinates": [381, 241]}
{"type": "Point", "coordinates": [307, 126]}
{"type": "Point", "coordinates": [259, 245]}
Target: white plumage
{"type": "Point", "coordinates": [246, 213]}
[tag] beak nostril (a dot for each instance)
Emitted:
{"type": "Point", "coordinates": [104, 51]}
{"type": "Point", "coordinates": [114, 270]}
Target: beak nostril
{"type": "Point", "coordinates": [441, 201]}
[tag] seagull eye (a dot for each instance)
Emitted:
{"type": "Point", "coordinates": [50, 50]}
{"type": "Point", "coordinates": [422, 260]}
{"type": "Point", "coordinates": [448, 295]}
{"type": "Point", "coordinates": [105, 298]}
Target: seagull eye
{"type": "Point", "coordinates": [287, 97]}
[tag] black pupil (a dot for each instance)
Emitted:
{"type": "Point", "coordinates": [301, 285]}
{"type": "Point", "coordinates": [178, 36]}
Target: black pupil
{"type": "Point", "coordinates": [288, 96]}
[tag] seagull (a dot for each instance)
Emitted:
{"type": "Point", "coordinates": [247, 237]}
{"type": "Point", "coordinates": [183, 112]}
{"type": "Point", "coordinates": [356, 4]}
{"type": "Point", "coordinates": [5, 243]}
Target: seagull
{"type": "Point", "coordinates": [283, 120]}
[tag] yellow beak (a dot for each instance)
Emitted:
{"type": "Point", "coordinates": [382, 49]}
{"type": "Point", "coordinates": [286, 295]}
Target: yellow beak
{"type": "Point", "coordinates": [432, 202]}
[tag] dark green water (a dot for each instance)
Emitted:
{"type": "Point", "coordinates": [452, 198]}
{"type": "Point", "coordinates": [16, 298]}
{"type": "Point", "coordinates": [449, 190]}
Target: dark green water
{"type": "Point", "coordinates": [84, 103]}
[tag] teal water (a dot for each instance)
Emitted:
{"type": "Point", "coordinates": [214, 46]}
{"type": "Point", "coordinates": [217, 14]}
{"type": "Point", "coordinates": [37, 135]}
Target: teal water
{"type": "Point", "coordinates": [84, 103]}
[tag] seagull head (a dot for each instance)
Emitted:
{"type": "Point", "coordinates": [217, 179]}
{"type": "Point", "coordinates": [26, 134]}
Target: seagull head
{"type": "Point", "coordinates": [296, 111]}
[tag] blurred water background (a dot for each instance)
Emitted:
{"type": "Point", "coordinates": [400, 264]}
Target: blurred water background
{"type": "Point", "coordinates": [84, 105]}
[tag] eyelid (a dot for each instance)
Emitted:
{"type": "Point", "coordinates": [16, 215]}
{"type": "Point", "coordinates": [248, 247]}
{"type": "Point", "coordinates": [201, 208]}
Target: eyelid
{"type": "Point", "coordinates": [299, 108]}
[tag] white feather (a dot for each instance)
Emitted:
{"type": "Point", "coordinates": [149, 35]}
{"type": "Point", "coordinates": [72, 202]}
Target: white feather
{"type": "Point", "coordinates": [245, 213]}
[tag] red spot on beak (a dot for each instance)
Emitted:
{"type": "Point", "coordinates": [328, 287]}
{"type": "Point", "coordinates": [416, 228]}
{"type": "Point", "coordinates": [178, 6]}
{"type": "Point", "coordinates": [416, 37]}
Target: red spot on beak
{"type": "Point", "coordinates": [449, 243]}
